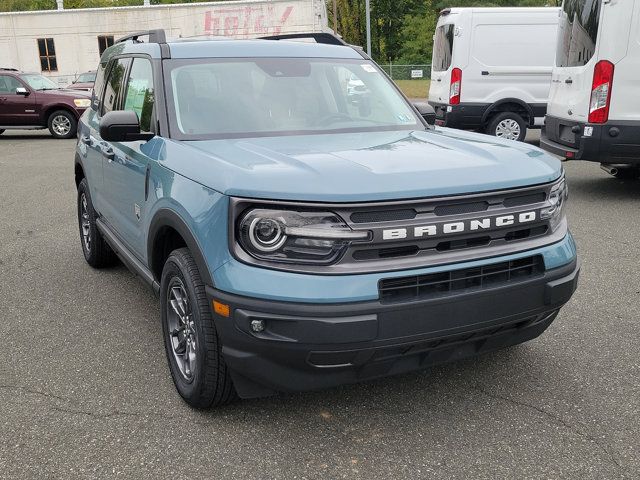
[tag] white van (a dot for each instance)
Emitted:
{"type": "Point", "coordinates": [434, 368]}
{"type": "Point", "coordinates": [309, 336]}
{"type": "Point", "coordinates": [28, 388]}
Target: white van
{"type": "Point", "coordinates": [594, 103]}
{"type": "Point", "coordinates": [491, 68]}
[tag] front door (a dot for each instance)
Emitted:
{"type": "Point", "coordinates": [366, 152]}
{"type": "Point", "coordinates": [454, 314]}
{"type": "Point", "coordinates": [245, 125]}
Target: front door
{"type": "Point", "coordinates": [16, 110]}
{"type": "Point", "coordinates": [125, 174]}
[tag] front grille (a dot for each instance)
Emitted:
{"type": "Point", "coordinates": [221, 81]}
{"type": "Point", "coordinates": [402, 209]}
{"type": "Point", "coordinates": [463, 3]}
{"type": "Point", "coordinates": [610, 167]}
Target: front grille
{"type": "Point", "coordinates": [383, 216]}
{"type": "Point", "coordinates": [458, 281]}
{"type": "Point", "coordinates": [460, 208]}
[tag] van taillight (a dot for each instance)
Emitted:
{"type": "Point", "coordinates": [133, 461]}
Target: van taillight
{"type": "Point", "coordinates": [456, 85]}
{"type": "Point", "coordinates": [601, 92]}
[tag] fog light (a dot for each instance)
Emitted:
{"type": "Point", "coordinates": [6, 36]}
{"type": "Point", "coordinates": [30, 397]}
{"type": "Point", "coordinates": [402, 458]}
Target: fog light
{"type": "Point", "coordinates": [257, 325]}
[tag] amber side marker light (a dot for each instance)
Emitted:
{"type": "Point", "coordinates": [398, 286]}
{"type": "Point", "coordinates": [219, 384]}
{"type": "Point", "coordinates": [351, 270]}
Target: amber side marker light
{"type": "Point", "coordinates": [221, 308]}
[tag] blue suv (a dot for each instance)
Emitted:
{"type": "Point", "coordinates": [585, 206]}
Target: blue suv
{"type": "Point", "coordinates": [300, 237]}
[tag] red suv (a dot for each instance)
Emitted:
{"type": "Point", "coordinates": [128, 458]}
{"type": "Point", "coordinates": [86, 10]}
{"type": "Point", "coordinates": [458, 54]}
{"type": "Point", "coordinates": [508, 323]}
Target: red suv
{"type": "Point", "coordinates": [32, 101]}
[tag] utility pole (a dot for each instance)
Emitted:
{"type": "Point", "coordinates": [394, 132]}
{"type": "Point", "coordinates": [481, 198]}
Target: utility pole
{"type": "Point", "coordinates": [368, 11]}
{"type": "Point", "coordinates": [335, 16]}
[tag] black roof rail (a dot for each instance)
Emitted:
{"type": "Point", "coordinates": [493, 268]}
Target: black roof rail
{"type": "Point", "coordinates": [319, 37]}
{"type": "Point", "coordinates": [155, 36]}
{"type": "Point", "coordinates": [9, 69]}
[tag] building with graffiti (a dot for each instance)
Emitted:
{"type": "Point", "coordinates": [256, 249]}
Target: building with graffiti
{"type": "Point", "coordinates": [64, 43]}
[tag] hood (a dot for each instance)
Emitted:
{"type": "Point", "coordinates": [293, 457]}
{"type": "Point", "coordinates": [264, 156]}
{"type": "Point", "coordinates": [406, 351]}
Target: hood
{"type": "Point", "coordinates": [65, 92]}
{"type": "Point", "coordinates": [353, 167]}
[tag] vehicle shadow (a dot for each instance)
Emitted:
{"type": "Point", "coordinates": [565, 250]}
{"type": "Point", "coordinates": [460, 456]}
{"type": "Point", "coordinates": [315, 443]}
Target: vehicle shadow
{"type": "Point", "coordinates": [21, 136]}
{"type": "Point", "coordinates": [605, 187]}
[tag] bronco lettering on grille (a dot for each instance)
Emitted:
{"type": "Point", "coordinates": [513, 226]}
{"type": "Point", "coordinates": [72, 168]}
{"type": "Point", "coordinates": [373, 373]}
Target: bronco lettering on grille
{"type": "Point", "coordinates": [459, 227]}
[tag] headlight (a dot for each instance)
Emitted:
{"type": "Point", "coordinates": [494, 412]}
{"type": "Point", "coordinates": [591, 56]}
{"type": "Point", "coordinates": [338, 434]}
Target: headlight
{"type": "Point", "coordinates": [82, 102]}
{"type": "Point", "coordinates": [555, 204]}
{"type": "Point", "coordinates": [295, 237]}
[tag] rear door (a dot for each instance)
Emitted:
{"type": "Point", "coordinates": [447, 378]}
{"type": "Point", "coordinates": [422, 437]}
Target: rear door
{"type": "Point", "coordinates": [576, 56]}
{"type": "Point", "coordinates": [16, 110]}
{"type": "Point", "coordinates": [442, 62]}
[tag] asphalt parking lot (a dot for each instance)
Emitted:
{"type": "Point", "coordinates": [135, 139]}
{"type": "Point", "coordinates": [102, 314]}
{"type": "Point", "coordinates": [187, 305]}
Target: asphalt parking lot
{"type": "Point", "coordinates": [85, 389]}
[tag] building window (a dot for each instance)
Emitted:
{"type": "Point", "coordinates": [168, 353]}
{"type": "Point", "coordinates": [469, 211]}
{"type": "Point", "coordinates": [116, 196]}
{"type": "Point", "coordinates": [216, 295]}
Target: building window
{"type": "Point", "coordinates": [104, 42]}
{"type": "Point", "coordinates": [47, 51]}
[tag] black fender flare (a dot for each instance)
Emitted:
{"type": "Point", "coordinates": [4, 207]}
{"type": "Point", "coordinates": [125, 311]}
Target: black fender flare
{"type": "Point", "coordinates": [494, 105]}
{"type": "Point", "coordinates": [168, 218]}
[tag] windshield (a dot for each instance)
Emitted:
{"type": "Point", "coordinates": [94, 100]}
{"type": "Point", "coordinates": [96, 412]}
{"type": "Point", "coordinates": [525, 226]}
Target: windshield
{"type": "Point", "coordinates": [89, 77]}
{"type": "Point", "coordinates": [225, 98]}
{"type": "Point", "coordinates": [39, 82]}
{"type": "Point", "coordinates": [579, 21]}
{"type": "Point", "coordinates": [443, 47]}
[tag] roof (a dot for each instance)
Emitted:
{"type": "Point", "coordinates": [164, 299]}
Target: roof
{"type": "Point", "coordinates": [237, 49]}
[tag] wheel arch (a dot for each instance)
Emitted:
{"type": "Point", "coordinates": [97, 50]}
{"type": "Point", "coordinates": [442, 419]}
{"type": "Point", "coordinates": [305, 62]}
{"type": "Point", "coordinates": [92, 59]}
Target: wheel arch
{"type": "Point", "coordinates": [49, 109]}
{"type": "Point", "coordinates": [78, 170]}
{"type": "Point", "coordinates": [509, 105]}
{"type": "Point", "coordinates": [168, 231]}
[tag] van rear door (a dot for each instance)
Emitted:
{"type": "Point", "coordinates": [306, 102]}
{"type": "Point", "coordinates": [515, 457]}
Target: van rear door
{"type": "Point", "coordinates": [576, 47]}
{"type": "Point", "coordinates": [442, 62]}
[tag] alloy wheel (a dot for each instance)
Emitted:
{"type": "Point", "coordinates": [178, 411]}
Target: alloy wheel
{"type": "Point", "coordinates": [85, 223]}
{"type": "Point", "coordinates": [181, 328]}
{"type": "Point", "coordinates": [61, 125]}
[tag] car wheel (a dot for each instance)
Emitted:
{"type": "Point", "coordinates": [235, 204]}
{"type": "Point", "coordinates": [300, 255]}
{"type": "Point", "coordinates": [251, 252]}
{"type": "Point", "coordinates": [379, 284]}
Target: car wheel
{"type": "Point", "coordinates": [96, 251]}
{"type": "Point", "coordinates": [508, 125]}
{"type": "Point", "coordinates": [194, 351]}
{"type": "Point", "coordinates": [62, 124]}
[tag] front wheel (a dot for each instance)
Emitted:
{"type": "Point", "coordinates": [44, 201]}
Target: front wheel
{"type": "Point", "coordinates": [191, 341]}
{"type": "Point", "coordinates": [62, 124]}
{"type": "Point", "coordinates": [508, 125]}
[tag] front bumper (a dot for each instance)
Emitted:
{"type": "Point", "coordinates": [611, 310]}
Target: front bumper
{"type": "Point", "coordinates": [610, 143]}
{"type": "Point", "coordinates": [312, 346]}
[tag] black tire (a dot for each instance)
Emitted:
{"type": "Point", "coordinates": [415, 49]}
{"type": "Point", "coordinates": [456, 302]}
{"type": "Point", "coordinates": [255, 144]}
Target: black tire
{"type": "Point", "coordinates": [56, 121]}
{"type": "Point", "coordinates": [206, 382]}
{"type": "Point", "coordinates": [96, 251]}
{"type": "Point", "coordinates": [506, 118]}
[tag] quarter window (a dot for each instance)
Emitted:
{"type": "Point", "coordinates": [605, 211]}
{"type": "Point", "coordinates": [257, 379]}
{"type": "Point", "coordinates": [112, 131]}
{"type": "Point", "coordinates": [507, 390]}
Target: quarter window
{"type": "Point", "coordinates": [114, 85]}
{"type": "Point", "coordinates": [104, 42]}
{"type": "Point", "coordinates": [47, 51]}
{"type": "Point", "coordinates": [8, 84]}
{"type": "Point", "coordinates": [139, 95]}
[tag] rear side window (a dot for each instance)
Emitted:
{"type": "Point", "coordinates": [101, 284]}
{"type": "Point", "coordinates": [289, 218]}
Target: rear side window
{"type": "Point", "coordinates": [139, 95]}
{"type": "Point", "coordinates": [114, 85]}
{"type": "Point", "coordinates": [579, 21]}
{"type": "Point", "coordinates": [443, 47]}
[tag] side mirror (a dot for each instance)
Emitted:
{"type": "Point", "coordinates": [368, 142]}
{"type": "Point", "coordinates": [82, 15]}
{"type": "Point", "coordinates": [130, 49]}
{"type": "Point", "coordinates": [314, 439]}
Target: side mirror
{"type": "Point", "coordinates": [22, 91]}
{"type": "Point", "coordinates": [427, 112]}
{"type": "Point", "coordinates": [122, 126]}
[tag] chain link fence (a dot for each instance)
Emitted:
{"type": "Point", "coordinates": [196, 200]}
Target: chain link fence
{"type": "Point", "coordinates": [407, 72]}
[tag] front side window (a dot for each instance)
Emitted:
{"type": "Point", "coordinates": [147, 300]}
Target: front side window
{"type": "Point", "coordinates": [8, 84]}
{"type": "Point", "coordinates": [47, 51]}
{"type": "Point", "coordinates": [578, 32]}
{"type": "Point", "coordinates": [114, 85]}
{"type": "Point", "coordinates": [139, 94]}
{"type": "Point", "coordinates": [443, 47]}
{"type": "Point", "coordinates": [282, 96]}
{"type": "Point", "coordinates": [39, 82]}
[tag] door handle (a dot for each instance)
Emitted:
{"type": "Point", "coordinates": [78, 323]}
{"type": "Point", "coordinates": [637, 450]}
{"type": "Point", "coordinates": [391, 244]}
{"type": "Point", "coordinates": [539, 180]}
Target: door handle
{"type": "Point", "coordinates": [86, 139]}
{"type": "Point", "coordinates": [568, 81]}
{"type": "Point", "coordinates": [107, 152]}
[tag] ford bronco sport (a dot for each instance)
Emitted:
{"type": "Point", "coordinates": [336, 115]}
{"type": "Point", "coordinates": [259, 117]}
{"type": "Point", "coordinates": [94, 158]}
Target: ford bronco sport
{"type": "Point", "coordinates": [299, 240]}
